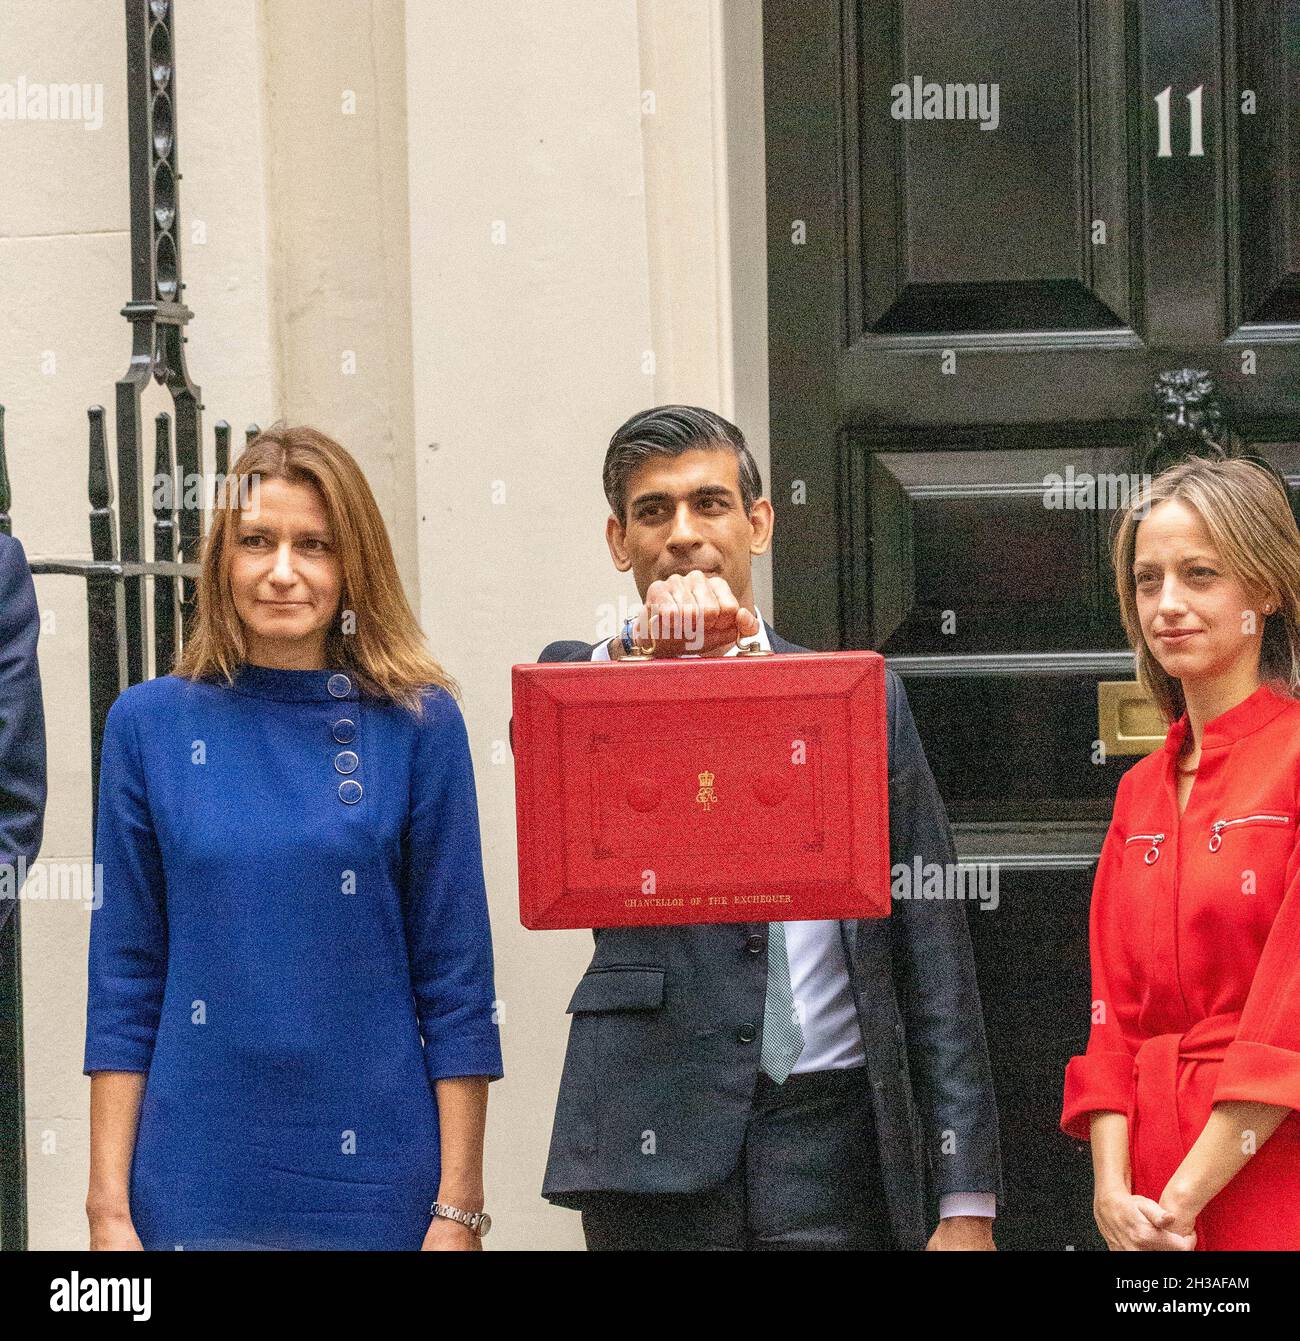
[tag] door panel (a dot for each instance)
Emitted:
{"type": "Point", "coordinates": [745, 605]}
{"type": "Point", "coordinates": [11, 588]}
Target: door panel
{"type": "Point", "coordinates": [960, 317]}
{"type": "Point", "coordinates": [1264, 40]}
{"type": "Point", "coordinates": [937, 214]}
{"type": "Point", "coordinates": [1033, 972]}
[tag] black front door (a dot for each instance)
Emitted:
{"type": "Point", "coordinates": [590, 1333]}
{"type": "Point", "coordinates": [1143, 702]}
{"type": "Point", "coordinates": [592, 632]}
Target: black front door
{"type": "Point", "coordinates": [997, 232]}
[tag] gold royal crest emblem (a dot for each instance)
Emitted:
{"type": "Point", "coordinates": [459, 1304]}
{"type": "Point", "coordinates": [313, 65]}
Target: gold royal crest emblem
{"type": "Point", "coordinates": [706, 796]}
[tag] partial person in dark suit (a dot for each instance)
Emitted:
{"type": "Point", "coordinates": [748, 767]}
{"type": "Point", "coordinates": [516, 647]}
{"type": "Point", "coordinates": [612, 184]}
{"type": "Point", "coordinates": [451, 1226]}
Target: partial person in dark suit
{"type": "Point", "coordinates": [789, 1085]}
{"type": "Point", "coordinates": [22, 726]}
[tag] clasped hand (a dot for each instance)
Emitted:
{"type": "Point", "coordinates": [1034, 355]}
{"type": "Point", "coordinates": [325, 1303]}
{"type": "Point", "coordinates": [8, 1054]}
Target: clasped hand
{"type": "Point", "coordinates": [1131, 1223]}
{"type": "Point", "coordinates": [693, 613]}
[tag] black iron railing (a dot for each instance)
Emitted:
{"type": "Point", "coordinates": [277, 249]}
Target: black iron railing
{"type": "Point", "coordinates": [118, 636]}
{"type": "Point", "coordinates": [117, 656]}
{"type": "Point", "coordinates": [138, 594]}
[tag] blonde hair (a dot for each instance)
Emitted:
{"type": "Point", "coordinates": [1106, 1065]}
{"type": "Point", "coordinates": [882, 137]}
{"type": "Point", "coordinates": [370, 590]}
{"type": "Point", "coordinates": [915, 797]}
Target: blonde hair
{"type": "Point", "coordinates": [1248, 515]}
{"type": "Point", "coordinates": [386, 654]}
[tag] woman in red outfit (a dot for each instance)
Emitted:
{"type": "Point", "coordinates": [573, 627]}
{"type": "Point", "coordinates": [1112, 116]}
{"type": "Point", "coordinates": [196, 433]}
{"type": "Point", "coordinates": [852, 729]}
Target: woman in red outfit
{"type": "Point", "coordinates": [1190, 1084]}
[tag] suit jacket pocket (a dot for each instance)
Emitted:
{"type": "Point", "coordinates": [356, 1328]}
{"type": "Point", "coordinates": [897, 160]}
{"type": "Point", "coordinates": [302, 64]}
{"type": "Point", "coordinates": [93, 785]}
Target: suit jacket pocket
{"type": "Point", "coordinates": [630, 988]}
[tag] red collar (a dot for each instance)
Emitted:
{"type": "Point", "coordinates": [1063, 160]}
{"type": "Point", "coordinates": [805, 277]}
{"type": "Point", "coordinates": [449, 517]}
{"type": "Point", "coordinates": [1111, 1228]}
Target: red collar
{"type": "Point", "coordinates": [1249, 715]}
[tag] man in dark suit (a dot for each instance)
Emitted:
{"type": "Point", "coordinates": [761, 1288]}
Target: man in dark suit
{"type": "Point", "coordinates": [788, 1085]}
{"type": "Point", "coordinates": [22, 725]}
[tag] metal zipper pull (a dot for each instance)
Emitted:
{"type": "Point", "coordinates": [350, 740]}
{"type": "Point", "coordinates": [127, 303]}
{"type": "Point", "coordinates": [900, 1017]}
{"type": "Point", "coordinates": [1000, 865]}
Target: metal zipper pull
{"type": "Point", "coordinates": [1217, 828]}
{"type": "Point", "coordinates": [1152, 855]}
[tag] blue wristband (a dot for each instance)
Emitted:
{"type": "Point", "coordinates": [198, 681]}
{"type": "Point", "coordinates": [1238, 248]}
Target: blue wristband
{"type": "Point", "coordinates": [629, 646]}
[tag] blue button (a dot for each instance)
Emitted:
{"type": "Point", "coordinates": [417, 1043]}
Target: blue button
{"type": "Point", "coordinates": [346, 761]}
{"type": "Point", "coordinates": [339, 686]}
{"type": "Point", "coordinates": [344, 730]}
{"type": "Point", "coordinates": [349, 791]}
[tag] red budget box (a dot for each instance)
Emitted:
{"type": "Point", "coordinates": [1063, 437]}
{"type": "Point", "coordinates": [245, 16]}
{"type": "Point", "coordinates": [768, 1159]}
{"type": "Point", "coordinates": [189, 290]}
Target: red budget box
{"type": "Point", "coordinates": [718, 789]}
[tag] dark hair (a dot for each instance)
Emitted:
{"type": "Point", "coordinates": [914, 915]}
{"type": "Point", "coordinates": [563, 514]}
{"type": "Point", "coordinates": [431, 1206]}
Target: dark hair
{"type": "Point", "coordinates": [670, 430]}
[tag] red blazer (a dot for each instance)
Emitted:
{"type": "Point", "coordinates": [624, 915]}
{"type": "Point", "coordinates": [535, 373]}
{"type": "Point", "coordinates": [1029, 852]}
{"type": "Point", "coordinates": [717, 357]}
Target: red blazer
{"type": "Point", "coordinates": [1195, 943]}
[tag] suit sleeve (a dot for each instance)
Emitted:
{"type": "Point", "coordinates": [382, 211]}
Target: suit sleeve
{"type": "Point", "coordinates": [447, 929]}
{"type": "Point", "coordinates": [128, 930]}
{"type": "Point", "coordinates": [22, 719]}
{"type": "Point", "coordinates": [570, 651]}
{"type": "Point", "coordinates": [1263, 1062]}
{"type": "Point", "coordinates": [1102, 1078]}
{"type": "Point", "coordinates": [938, 995]}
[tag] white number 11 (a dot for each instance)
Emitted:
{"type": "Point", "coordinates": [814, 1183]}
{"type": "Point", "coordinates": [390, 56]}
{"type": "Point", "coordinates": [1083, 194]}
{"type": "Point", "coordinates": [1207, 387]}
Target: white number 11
{"type": "Point", "coordinates": [1196, 148]}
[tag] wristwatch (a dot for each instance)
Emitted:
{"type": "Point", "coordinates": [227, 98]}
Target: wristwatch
{"type": "Point", "coordinates": [477, 1222]}
{"type": "Point", "coordinates": [633, 648]}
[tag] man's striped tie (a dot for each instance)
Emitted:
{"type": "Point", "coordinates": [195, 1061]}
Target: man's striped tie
{"type": "Point", "coordinates": [782, 1036]}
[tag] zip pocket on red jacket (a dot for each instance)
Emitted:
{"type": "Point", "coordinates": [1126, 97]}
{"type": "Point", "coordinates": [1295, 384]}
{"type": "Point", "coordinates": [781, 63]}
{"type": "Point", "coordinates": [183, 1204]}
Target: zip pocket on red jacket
{"type": "Point", "coordinates": [1154, 839]}
{"type": "Point", "coordinates": [1217, 828]}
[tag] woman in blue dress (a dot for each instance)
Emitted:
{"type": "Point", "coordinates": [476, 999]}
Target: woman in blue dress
{"type": "Point", "coordinates": [291, 1018]}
